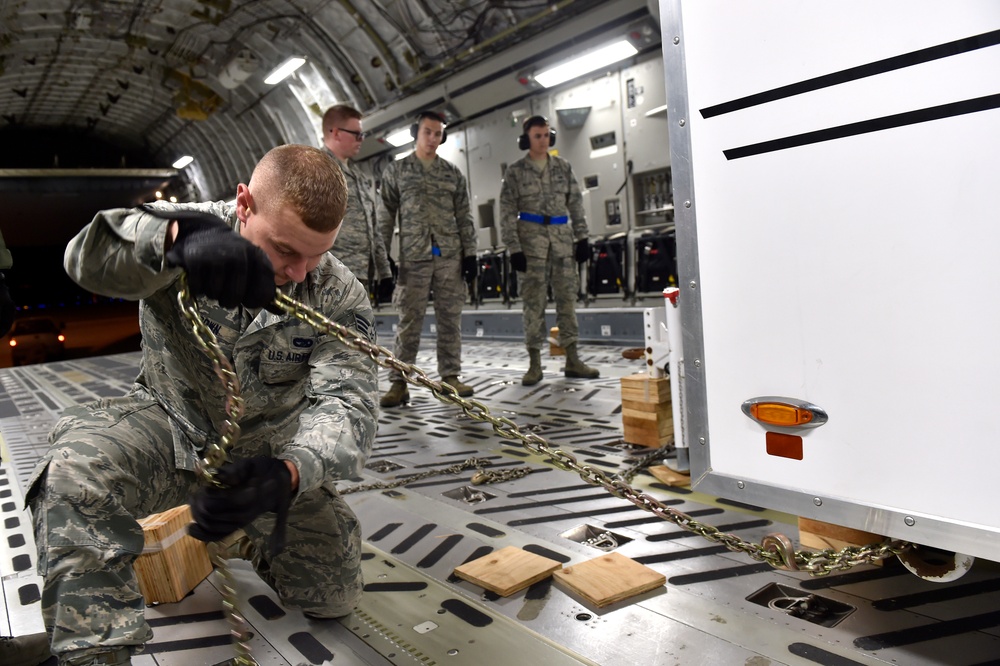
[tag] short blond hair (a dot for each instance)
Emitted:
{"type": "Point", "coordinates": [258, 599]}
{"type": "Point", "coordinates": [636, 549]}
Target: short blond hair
{"type": "Point", "coordinates": [305, 178]}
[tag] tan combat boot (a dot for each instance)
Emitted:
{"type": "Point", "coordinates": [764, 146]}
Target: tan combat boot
{"type": "Point", "coordinates": [396, 395]}
{"type": "Point", "coordinates": [534, 373]}
{"type": "Point", "coordinates": [464, 390]}
{"type": "Point", "coordinates": [577, 368]}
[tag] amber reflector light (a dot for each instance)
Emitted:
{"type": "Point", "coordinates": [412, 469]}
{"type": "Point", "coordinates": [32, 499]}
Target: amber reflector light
{"type": "Point", "coordinates": [780, 414]}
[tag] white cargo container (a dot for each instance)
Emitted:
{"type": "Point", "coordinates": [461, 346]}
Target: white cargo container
{"type": "Point", "coordinates": [835, 170]}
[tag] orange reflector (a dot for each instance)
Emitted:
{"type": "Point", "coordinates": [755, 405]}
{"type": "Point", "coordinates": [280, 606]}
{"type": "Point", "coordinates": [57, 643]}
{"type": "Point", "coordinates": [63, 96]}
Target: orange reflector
{"type": "Point", "coordinates": [784, 446]}
{"type": "Point", "coordinates": [62, 338]}
{"type": "Point", "coordinates": [780, 414]}
{"type": "Point", "coordinates": [13, 343]}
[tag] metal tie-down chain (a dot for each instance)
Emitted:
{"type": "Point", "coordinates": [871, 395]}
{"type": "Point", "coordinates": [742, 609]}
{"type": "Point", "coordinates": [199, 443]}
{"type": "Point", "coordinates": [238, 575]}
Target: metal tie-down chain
{"type": "Point", "coordinates": [775, 549]}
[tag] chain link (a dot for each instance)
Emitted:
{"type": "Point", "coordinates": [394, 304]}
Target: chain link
{"type": "Point", "coordinates": [470, 463]}
{"type": "Point", "coordinates": [775, 549]}
{"type": "Point", "coordinates": [213, 458]}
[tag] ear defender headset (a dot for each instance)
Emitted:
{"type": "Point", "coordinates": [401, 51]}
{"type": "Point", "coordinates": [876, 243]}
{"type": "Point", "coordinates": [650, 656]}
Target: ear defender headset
{"type": "Point", "coordinates": [534, 121]}
{"type": "Point", "coordinates": [433, 115]}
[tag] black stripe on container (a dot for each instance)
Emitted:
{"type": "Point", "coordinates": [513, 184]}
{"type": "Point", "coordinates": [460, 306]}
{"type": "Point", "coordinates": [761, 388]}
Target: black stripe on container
{"type": "Point", "coordinates": [720, 574]}
{"type": "Point", "coordinates": [410, 541]}
{"type": "Point", "coordinates": [820, 656]}
{"type": "Point", "coordinates": [856, 73]}
{"type": "Point", "coordinates": [929, 632]}
{"type": "Point", "coordinates": [937, 595]}
{"type": "Point", "coordinates": [731, 527]}
{"type": "Point", "coordinates": [384, 531]}
{"type": "Point", "coordinates": [893, 121]}
{"type": "Point", "coordinates": [309, 647]}
{"type": "Point", "coordinates": [440, 551]}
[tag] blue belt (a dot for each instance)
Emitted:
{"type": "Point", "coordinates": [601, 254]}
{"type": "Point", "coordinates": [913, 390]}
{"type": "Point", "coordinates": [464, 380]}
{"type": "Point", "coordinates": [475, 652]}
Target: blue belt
{"type": "Point", "coordinates": [542, 219]}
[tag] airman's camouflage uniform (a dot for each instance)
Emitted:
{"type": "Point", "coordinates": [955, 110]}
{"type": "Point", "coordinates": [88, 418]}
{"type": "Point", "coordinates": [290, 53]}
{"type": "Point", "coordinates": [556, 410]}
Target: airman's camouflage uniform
{"type": "Point", "coordinates": [359, 242]}
{"type": "Point", "coordinates": [553, 191]}
{"type": "Point", "coordinates": [308, 399]}
{"type": "Point", "coordinates": [432, 207]}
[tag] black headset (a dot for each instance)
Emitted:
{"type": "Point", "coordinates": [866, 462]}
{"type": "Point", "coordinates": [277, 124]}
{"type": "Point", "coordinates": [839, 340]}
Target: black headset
{"type": "Point", "coordinates": [524, 143]}
{"type": "Point", "coordinates": [433, 115]}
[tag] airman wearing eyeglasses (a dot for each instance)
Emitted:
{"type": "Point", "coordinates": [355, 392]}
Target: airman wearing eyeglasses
{"type": "Point", "coordinates": [359, 244]}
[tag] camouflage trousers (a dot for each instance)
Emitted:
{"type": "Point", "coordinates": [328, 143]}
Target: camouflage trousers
{"type": "Point", "coordinates": [416, 281]}
{"type": "Point", "coordinates": [565, 276]}
{"type": "Point", "coordinates": [112, 462]}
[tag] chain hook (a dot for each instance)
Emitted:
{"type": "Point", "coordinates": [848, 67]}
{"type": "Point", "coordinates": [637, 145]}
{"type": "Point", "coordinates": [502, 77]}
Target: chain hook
{"type": "Point", "coordinates": [781, 546]}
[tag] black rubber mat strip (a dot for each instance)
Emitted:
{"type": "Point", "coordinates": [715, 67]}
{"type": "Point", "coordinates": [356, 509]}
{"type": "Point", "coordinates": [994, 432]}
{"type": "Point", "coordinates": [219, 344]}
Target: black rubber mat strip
{"type": "Point", "coordinates": [384, 531]}
{"type": "Point", "coordinates": [863, 576]}
{"type": "Point", "coordinates": [309, 647]}
{"type": "Point", "coordinates": [439, 551]}
{"type": "Point", "coordinates": [545, 552]}
{"type": "Point", "coordinates": [549, 491]}
{"type": "Point", "coordinates": [199, 643]}
{"type": "Point", "coordinates": [552, 502]}
{"type": "Point", "coordinates": [485, 530]}
{"type": "Point", "coordinates": [414, 538]}
{"type": "Point", "coordinates": [680, 555]}
{"type": "Point", "coordinates": [680, 490]}
{"type": "Point", "coordinates": [820, 656]}
{"type": "Point", "coordinates": [539, 590]}
{"type": "Point", "coordinates": [264, 605]}
{"type": "Point", "coordinates": [11, 523]}
{"type": "Point", "coordinates": [577, 515]}
{"type": "Point", "coordinates": [209, 616]}
{"type": "Point", "coordinates": [937, 595]}
{"type": "Point", "coordinates": [28, 594]}
{"type": "Point", "coordinates": [929, 632]}
{"type": "Point", "coordinates": [655, 519]}
{"type": "Point", "coordinates": [741, 505]}
{"type": "Point", "coordinates": [400, 586]}
{"type": "Point", "coordinates": [482, 551]}
{"type": "Point", "coordinates": [462, 610]}
{"type": "Point", "coordinates": [730, 527]}
{"type": "Point", "coordinates": [720, 574]}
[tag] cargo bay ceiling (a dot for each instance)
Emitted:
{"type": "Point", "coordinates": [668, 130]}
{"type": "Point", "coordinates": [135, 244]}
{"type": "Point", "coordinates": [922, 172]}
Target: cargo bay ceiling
{"type": "Point", "coordinates": [128, 86]}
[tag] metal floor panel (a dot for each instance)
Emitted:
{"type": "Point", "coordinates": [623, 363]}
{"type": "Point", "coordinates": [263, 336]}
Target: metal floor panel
{"type": "Point", "coordinates": [415, 611]}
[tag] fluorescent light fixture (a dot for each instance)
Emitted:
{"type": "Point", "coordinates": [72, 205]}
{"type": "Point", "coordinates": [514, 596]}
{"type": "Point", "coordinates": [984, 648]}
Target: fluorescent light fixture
{"type": "Point", "coordinates": [588, 62]}
{"type": "Point", "coordinates": [282, 71]}
{"type": "Point", "coordinates": [183, 162]}
{"type": "Point", "coordinates": [400, 138]}
{"type": "Point", "coordinates": [405, 153]}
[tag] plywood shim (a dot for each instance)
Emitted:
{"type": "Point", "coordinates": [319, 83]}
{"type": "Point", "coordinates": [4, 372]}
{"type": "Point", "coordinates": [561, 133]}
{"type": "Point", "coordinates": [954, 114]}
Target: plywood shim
{"type": "Point", "coordinates": [669, 476]}
{"type": "Point", "coordinates": [507, 570]}
{"type": "Point", "coordinates": [171, 563]}
{"type": "Point", "coordinates": [818, 535]}
{"type": "Point", "coordinates": [609, 578]}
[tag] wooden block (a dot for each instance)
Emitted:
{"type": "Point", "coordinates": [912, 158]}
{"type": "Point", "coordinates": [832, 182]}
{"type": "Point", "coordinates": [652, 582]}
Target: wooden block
{"type": "Point", "coordinates": [554, 348]}
{"type": "Point", "coordinates": [659, 408]}
{"type": "Point", "coordinates": [647, 428]}
{"type": "Point", "coordinates": [609, 578]}
{"type": "Point", "coordinates": [643, 388]}
{"type": "Point", "coordinates": [818, 535]}
{"type": "Point", "coordinates": [669, 476]}
{"type": "Point", "coordinates": [507, 570]}
{"type": "Point", "coordinates": [172, 563]}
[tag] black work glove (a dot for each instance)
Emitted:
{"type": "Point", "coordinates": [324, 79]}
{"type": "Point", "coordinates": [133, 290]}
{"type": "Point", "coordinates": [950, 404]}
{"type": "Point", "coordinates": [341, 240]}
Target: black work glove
{"type": "Point", "coordinates": [470, 267]}
{"type": "Point", "coordinates": [519, 262]}
{"type": "Point", "coordinates": [7, 308]}
{"type": "Point", "coordinates": [582, 250]}
{"type": "Point", "coordinates": [219, 262]}
{"type": "Point", "coordinates": [251, 487]}
{"type": "Point", "coordinates": [385, 287]}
